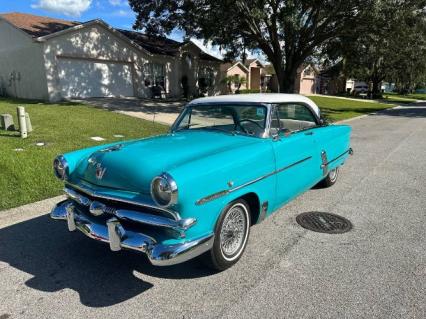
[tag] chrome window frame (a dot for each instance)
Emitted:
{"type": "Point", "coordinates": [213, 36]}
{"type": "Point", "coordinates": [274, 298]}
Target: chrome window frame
{"type": "Point", "coordinates": [318, 121]}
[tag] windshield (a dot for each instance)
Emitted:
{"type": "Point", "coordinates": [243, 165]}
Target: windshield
{"type": "Point", "coordinates": [227, 118]}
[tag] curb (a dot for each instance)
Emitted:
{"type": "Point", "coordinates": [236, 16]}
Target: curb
{"type": "Point", "coordinates": [19, 214]}
{"type": "Point", "coordinates": [365, 115]}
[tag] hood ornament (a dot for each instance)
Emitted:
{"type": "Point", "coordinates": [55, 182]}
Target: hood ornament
{"type": "Point", "coordinates": [100, 171]}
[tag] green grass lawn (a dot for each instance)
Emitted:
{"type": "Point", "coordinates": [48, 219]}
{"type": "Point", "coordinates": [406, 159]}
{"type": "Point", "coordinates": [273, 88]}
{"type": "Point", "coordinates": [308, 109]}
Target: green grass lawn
{"type": "Point", "coordinates": [404, 98]}
{"type": "Point", "coordinates": [336, 109]}
{"type": "Point", "coordinates": [27, 176]}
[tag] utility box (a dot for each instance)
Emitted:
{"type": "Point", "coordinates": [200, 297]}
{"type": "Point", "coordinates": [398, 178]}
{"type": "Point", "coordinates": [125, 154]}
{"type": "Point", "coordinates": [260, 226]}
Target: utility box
{"type": "Point", "coordinates": [6, 122]}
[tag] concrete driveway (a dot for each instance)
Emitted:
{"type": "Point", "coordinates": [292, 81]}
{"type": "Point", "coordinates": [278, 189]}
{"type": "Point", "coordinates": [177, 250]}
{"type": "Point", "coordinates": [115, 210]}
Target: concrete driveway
{"type": "Point", "coordinates": [377, 270]}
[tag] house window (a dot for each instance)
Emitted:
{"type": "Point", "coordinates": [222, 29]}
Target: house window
{"type": "Point", "coordinates": [308, 72]}
{"type": "Point", "coordinates": [155, 75]}
{"type": "Point", "coordinates": [205, 78]}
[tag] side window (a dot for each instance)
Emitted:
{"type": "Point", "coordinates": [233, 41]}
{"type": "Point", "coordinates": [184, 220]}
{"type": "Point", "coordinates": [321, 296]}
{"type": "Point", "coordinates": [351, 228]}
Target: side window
{"type": "Point", "coordinates": [294, 117]}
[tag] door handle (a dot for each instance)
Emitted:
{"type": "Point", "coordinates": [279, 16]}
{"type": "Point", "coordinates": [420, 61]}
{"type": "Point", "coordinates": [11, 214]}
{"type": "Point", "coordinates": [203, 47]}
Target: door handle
{"type": "Point", "coordinates": [309, 133]}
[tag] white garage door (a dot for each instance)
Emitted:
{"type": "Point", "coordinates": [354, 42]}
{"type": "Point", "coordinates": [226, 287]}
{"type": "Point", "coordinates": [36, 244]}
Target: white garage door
{"type": "Point", "coordinates": [84, 78]}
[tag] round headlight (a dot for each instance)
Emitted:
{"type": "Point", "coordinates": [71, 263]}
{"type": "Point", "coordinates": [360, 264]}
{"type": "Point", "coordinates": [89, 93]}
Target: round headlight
{"type": "Point", "coordinates": [60, 167]}
{"type": "Point", "coordinates": [164, 190]}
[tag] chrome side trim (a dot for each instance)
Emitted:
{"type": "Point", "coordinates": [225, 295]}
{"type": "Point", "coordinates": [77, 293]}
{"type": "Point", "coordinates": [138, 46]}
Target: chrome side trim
{"type": "Point", "coordinates": [263, 210]}
{"type": "Point", "coordinates": [228, 191]}
{"type": "Point", "coordinates": [349, 151]}
{"type": "Point", "coordinates": [95, 194]}
{"type": "Point", "coordinates": [324, 162]}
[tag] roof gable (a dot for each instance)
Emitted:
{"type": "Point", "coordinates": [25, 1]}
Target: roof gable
{"type": "Point", "coordinates": [156, 45]}
{"type": "Point", "coordinates": [229, 66]}
{"type": "Point", "coordinates": [202, 55]}
{"type": "Point", "coordinates": [249, 62]}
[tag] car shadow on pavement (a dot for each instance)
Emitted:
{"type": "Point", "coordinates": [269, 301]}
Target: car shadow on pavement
{"type": "Point", "coordinates": [57, 259]}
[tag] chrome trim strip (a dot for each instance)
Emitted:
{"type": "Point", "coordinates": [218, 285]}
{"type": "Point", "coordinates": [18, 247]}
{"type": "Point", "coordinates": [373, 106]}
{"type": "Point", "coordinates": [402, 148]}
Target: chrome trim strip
{"type": "Point", "coordinates": [228, 191]}
{"type": "Point", "coordinates": [96, 208]}
{"type": "Point", "coordinates": [143, 218]}
{"type": "Point", "coordinates": [89, 192]}
{"type": "Point", "coordinates": [349, 151]}
{"type": "Point", "coordinates": [324, 162]}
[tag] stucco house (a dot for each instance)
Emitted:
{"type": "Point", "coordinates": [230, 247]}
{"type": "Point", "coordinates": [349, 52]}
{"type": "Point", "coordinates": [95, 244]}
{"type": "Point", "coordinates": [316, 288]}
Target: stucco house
{"type": "Point", "coordinates": [251, 70]}
{"type": "Point", "coordinates": [234, 69]}
{"type": "Point", "coordinates": [307, 79]}
{"type": "Point", "coordinates": [306, 82]}
{"type": "Point", "coordinates": [53, 59]}
{"type": "Point", "coordinates": [255, 68]}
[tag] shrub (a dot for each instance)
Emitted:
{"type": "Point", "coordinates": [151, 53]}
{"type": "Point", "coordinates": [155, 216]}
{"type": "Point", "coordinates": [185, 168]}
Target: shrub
{"type": "Point", "coordinates": [247, 91]}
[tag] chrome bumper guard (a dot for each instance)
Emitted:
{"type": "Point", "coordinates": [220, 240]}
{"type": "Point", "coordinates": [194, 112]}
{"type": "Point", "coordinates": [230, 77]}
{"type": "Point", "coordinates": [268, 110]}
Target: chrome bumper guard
{"type": "Point", "coordinates": [118, 237]}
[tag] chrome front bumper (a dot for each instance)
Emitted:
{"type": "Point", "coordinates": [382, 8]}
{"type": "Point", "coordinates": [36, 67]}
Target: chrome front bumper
{"type": "Point", "coordinates": [118, 237]}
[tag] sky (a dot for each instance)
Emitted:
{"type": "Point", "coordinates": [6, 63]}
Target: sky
{"type": "Point", "coordinates": [114, 12]}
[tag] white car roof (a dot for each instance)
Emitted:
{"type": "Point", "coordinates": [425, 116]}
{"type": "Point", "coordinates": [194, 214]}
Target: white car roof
{"type": "Point", "coordinates": [267, 98]}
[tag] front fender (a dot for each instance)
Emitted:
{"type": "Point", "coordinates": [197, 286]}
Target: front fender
{"type": "Point", "coordinates": [222, 178]}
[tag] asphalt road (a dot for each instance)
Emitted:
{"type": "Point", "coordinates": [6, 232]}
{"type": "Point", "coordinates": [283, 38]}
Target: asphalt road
{"type": "Point", "coordinates": [377, 270]}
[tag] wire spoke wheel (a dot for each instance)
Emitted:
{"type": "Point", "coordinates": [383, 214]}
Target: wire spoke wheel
{"type": "Point", "coordinates": [233, 232]}
{"type": "Point", "coordinates": [231, 235]}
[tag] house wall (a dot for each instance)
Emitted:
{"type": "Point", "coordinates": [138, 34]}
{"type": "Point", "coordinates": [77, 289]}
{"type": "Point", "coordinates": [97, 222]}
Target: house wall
{"type": "Point", "coordinates": [94, 43]}
{"type": "Point", "coordinates": [254, 78]}
{"type": "Point", "coordinates": [99, 43]}
{"type": "Point", "coordinates": [21, 64]}
{"type": "Point", "coordinates": [217, 88]}
{"type": "Point", "coordinates": [305, 83]}
{"type": "Point", "coordinates": [189, 65]}
{"type": "Point", "coordinates": [236, 70]}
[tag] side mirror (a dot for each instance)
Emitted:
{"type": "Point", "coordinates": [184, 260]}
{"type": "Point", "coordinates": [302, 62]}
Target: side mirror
{"type": "Point", "coordinates": [323, 121]}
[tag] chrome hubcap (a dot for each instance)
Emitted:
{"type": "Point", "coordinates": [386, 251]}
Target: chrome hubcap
{"type": "Point", "coordinates": [232, 234]}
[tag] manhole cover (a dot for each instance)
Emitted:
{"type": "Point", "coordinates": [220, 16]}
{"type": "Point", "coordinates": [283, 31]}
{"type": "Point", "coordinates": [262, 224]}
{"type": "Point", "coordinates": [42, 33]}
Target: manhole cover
{"type": "Point", "coordinates": [324, 222]}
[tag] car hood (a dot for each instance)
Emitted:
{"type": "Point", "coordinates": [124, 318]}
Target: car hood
{"type": "Point", "coordinates": [131, 166]}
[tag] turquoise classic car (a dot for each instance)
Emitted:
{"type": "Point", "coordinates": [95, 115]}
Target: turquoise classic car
{"type": "Point", "coordinates": [227, 163]}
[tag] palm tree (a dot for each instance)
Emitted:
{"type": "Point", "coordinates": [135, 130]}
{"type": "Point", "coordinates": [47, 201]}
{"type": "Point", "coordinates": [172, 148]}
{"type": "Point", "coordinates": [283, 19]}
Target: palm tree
{"type": "Point", "coordinates": [236, 80]}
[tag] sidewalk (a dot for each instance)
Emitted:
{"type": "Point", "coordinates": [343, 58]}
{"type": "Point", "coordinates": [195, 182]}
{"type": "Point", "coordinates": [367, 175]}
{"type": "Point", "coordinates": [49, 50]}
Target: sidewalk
{"type": "Point", "coordinates": [159, 111]}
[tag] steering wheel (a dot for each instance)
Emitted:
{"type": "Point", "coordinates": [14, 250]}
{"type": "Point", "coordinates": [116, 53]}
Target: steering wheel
{"type": "Point", "coordinates": [248, 120]}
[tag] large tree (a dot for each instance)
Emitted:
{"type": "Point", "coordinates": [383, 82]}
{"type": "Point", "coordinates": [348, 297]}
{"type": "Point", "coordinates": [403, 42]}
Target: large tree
{"type": "Point", "coordinates": [390, 45]}
{"type": "Point", "coordinates": [288, 32]}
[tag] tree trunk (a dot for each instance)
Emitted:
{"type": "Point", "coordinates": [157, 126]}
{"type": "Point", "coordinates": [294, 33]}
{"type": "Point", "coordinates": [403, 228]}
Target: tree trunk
{"type": "Point", "coordinates": [288, 84]}
{"type": "Point", "coordinates": [376, 92]}
{"type": "Point", "coordinates": [286, 78]}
